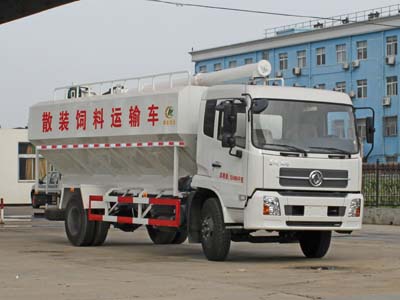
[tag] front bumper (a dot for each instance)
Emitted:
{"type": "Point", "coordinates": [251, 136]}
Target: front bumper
{"type": "Point", "coordinates": [315, 214]}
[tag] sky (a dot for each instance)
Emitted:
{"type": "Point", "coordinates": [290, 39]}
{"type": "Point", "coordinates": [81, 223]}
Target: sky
{"type": "Point", "coordinates": [94, 40]}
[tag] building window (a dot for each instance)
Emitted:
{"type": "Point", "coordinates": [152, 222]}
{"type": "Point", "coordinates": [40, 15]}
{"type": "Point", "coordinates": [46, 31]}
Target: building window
{"type": "Point", "coordinates": [341, 87]}
{"type": "Point", "coordinates": [341, 54]}
{"type": "Point", "coordinates": [391, 86]}
{"type": "Point", "coordinates": [232, 64]}
{"type": "Point", "coordinates": [362, 50]}
{"type": "Point", "coordinates": [217, 67]}
{"type": "Point", "coordinates": [362, 88]}
{"type": "Point", "coordinates": [203, 69]}
{"type": "Point", "coordinates": [26, 162]}
{"type": "Point", "coordinates": [339, 128]}
{"type": "Point", "coordinates": [283, 61]}
{"type": "Point", "coordinates": [362, 129]}
{"type": "Point", "coordinates": [391, 46]}
{"type": "Point", "coordinates": [321, 56]}
{"type": "Point", "coordinates": [265, 55]}
{"type": "Point", "coordinates": [248, 61]}
{"type": "Point", "coordinates": [302, 59]}
{"type": "Point", "coordinates": [390, 126]}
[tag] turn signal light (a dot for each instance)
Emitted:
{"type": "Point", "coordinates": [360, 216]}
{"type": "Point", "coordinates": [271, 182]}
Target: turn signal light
{"type": "Point", "coordinates": [355, 208]}
{"type": "Point", "coordinates": [358, 212]}
{"type": "Point", "coordinates": [271, 206]}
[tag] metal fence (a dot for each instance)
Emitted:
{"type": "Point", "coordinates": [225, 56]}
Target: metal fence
{"type": "Point", "coordinates": [381, 184]}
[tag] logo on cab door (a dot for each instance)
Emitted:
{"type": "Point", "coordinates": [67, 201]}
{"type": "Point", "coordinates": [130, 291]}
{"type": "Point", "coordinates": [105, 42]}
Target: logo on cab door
{"type": "Point", "coordinates": [230, 177]}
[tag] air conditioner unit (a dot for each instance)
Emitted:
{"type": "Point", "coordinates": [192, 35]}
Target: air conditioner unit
{"type": "Point", "coordinates": [352, 94]}
{"type": "Point", "coordinates": [391, 60]}
{"type": "Point", "coordinates": [297, 71]}
{"type": "Point", "coordinates": [356, 64]}
{"type": "Point", "coordinates": [346, 66]}
{"type": "Point", "coordinates": [386, 101]}
{"type": "Point", "coordinates": [279, 74]}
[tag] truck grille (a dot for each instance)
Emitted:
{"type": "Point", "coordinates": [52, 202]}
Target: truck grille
{"type": "Point", "coordinates": [300, 178]}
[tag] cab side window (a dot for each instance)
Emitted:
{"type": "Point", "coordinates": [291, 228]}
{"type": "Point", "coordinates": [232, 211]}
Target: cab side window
{"type": "Point", "coordinates": [240, 127]}
{"type": "Point", "coordinates": [209, 118]}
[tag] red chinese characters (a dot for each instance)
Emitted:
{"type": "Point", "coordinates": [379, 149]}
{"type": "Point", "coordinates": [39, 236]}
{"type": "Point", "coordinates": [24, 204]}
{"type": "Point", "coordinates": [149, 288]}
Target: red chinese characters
{"type": "Point", "coordinates": [119, 117]}
{"type": "Point", "coordinates": [81, 119]}
{"type": "Point", "coordinates": [230, 177]}
{"type": "Point", "coordinates": [98, 118]}
{"type": "Point", "coordinates": [134, 116]}
{"type": "Point", "coordinates": [116, 121]}
{"type": "Point", "coordinates": [63, 121]}
{"type": "Point", "coordinates": [153, 115]}
{"type": "Point", "coordinates": [47, 120]}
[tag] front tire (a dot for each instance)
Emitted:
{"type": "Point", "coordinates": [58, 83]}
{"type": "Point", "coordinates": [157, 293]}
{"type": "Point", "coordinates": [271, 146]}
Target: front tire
{"type": "Point", "coordinates": [315, 244]}
{"type": "Point", "coordinates": [80, 231]}
{"type": "Point", "coordinates": [215, 238]}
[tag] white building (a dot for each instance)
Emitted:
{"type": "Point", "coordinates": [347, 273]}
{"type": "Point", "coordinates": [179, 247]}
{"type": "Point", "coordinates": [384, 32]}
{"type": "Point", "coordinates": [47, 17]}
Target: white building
{"type": "Point", "coordinates": [17, 171]}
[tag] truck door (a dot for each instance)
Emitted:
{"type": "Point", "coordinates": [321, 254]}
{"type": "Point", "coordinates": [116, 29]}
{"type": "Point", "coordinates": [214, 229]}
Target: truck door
{"type": "Point", "coordinates": [229, 171]}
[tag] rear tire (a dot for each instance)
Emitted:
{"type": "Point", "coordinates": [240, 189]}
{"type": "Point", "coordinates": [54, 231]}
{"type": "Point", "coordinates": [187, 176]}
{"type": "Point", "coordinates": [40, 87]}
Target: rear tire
{"type": "Point", "coordinates": [160, 237]}
{"type": "Point", "coordinates": [100, 233]}
{"type": "Point", "coordinates": [180, 236]}
{"type": "Point", "coordinates": [80, 231]}
{"type": "Point", "coordinates": [215, 238]}
{"type": "Point", "coordinates": [315, 244]}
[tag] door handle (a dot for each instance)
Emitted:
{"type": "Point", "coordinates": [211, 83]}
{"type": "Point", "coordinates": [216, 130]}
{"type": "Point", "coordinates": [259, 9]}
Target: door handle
{"type": "Point", "coordinates": [216, 164]}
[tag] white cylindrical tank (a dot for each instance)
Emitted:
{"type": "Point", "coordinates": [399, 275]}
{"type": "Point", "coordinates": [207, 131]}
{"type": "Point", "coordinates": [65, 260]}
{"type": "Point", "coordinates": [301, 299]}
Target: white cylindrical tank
{"type": "Point", "coordinates": [261, 69]}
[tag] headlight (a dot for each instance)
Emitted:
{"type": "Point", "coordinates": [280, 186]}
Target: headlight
{"type": "Point", "coordinates": [355, 208]}
{"type": "Point", "coordinates": [271, 206]}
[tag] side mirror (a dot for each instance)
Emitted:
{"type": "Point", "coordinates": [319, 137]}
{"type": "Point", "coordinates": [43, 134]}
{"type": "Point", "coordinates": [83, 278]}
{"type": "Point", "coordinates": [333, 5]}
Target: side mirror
{"type": "Point", "coordinates": [229, 125]}
{"type": "Point", "coordinates": [370, 130]}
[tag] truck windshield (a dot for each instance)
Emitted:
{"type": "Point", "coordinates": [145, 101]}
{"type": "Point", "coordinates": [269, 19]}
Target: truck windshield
{"type": "Point", "coordinates": [312, 127]}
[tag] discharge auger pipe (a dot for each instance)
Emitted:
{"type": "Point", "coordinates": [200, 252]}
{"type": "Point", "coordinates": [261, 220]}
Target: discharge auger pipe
{"type": "Point", "coordinates": [257, 70]}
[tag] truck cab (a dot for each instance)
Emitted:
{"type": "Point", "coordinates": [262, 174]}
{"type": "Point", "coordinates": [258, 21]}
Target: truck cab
{"type": "Point", "coordinates": [281, 159]}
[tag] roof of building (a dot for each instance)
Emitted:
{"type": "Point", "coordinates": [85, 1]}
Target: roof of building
{"type": "Point", "coordinates": [375, 20]}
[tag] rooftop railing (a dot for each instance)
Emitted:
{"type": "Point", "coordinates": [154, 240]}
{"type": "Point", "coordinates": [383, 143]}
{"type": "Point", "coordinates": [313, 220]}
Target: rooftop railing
{"type": "Point", "coordinates": [370, 15]}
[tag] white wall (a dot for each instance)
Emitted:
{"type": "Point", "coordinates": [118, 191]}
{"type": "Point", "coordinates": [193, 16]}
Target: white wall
{"type": "Point", "coordinates": [12, 190]}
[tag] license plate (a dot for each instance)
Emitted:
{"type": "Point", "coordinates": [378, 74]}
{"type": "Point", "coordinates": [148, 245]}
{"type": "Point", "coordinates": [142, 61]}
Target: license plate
{"type": "Point", "coordinates": [315, 211]}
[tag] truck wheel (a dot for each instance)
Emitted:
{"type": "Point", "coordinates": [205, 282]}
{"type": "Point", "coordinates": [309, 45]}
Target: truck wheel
{"type": "Point", "coordinates": [160, 237]}
{"type": "Point", "coordinates": [80, 231]}
{"type": "Point", "coordinates": [215, 239]}
{"type": "Point", "coordinates": [100, 233]}
{"type": "Point", "coordinates": [180, 236]}
{"type": "Point", "coordinates": [315, 244]}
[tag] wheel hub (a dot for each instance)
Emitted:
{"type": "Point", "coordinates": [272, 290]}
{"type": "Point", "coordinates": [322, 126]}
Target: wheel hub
{"type": "Point", "coordinates": [207, 228]}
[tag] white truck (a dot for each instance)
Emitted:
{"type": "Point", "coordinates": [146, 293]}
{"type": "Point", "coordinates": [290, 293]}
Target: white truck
{"type": "Point", "coordinates": [202, 157]}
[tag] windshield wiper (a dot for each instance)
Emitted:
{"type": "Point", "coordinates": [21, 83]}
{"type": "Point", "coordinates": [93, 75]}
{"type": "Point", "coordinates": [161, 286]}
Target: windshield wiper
{"type": "Point", "coordinates": [289, 147]}
{"type": "Point", "coordinates": [333, 149]}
